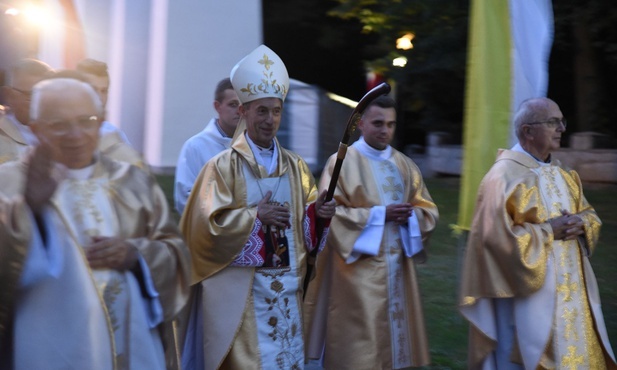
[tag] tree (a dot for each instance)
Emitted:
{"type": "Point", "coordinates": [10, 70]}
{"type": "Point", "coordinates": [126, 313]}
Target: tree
{"type": "Point", "coordinates": [317, 49]}
{"type": "Point", "coordinates": [431, 85]}
{"type": "Point", "coordinates": [333, 43]}
{"type": "Point", "coordinates": [583, 66]}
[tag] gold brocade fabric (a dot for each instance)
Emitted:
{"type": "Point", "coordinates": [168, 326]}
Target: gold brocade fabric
{"type": "Point", "coordinates": [112, 145]}
{"type": "Point", "coordinates": [12, 143]}
{"type": "Point", "coordinates": [142, 214]}
{"type": "Point", "coordinates": [14, 238]}
{"type": "Point", "coordinates": [135, 193]}
{"type": "Point", "coordinates": [510, 221]}
{"type": "Point", "coordinates": [349, 305]}
{"type": "Point", "coordinates": [217, 223]}
{"type": "Point", "coordinates": [510, 247]}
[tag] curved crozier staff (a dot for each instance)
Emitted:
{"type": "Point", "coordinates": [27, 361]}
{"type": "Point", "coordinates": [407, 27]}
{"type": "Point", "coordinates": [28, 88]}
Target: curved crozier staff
{"type": "Point", "coordinates": [352, 123]}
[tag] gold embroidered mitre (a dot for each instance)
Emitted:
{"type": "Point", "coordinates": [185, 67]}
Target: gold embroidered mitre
{"type": "Point", "coordinates": [261, 74]}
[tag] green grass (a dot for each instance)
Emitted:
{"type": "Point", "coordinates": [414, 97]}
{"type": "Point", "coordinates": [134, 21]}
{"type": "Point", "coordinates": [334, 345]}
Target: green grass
{"type": "Point", "coordinates": [447, 330]}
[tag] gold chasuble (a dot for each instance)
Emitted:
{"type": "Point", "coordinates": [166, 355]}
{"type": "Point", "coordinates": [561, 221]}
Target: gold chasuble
{"type": "Point", "coordinates": [252, 315]}
{"type": "Point", "coordinates": [530, 299]}
{"type": "Point", "coordinates": [69, 316]}
{"type": "Point", "coordinates": [12, 142]}
{"type": "Point", "coordinates": [366, 311]}
{"type": "Point", "coordinates": [112, 145]}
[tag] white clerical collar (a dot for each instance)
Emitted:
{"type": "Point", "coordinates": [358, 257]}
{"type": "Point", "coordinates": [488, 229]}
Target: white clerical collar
{"type": "Point", "coordinates": [267, 157]}
{"type": "Point", "coordinates": [81, 173]}
{"type": "Point", "coordinates": [24, 130]}
{"type": "Point", "coordinates": [520, 149]}
{"type": "Point", "coordinates": [220, 130]}
{"type": "Point", "coordinates": [371, 152]}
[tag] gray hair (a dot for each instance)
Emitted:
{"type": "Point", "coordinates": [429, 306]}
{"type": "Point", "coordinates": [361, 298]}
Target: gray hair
{"type": "Point", "coordinates": [60, 86]}
{"type": "Point", "coordinates": [530, 110]}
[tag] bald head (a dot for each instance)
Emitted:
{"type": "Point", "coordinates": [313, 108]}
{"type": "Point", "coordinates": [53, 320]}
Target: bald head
{"type": "Point", "coordinates": [531, 110]}
{"type": "Point", "coordinates": [539, 125]}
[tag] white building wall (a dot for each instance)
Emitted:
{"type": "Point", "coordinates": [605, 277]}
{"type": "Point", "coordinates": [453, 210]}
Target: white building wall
{"type": "Point", "coordinates": [192, 49]}
{"type": "Point", "coordinates": [165, 58]}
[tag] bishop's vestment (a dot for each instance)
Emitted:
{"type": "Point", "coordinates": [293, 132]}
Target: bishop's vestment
{"type": "Point", "coordinates": [248, 312]}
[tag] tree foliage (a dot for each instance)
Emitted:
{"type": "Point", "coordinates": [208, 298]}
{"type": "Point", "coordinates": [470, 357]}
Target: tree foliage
{"type": "Point", "coordinates": [583, 66]}
{"type": "Point", "coordinates": [333, 42]}
{"type": "Point", "coordinates": [431, 85]}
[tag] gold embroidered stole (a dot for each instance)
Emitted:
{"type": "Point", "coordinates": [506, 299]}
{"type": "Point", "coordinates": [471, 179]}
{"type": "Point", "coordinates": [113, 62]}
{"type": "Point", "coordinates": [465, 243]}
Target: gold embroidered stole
{"type": "Point", "coordinates": [392, 191]}
{"type": "Point", "coordinates": [86, 211]}
{"type": "Point", "coordinates": [574, 342]}
{"type": "Point", "coordinates": [276, 305]}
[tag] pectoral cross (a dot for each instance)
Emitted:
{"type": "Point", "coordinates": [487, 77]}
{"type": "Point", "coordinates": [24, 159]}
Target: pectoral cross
{"type": "Point", "coordinates": [571, 360]}
{"type": "Point", "coordinates": [567, 288]}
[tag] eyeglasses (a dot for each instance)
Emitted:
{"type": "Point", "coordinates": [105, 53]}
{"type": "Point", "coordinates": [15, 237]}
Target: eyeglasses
{"type": "Point", "coordinates": [87, 124]}
{"type": "Point", "coordinates": [25, 93]}
{"type": "Point", "coordinates": [552, 123]}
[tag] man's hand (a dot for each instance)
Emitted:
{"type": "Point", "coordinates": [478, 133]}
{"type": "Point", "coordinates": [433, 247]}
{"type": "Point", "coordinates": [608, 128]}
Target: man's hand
{"type": "Point", "coordinates": [566, 227]}
{"type": "Point", "coordinates": [325, 209]}
{"type": "Point", "coordinates": [273, 214]}
{"type": "Point", "coordinates": [40, 184]}
{"type": "Point", "coordinates": [398, 213]}
{"type": "Point", "coordinates": [111, 253]}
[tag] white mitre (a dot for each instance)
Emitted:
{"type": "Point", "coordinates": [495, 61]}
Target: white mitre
{"type": "Point", "coordinates": [261, 74]}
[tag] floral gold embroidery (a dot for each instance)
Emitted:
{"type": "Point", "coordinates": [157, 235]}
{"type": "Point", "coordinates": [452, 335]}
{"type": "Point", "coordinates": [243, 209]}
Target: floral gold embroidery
{"type": "Point", "coordinates": [285, 328]}
{"type": "Point", "coordinates": [267, 83]}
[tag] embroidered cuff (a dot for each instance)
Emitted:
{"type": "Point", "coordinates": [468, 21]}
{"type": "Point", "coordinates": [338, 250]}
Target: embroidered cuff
{"type": "Point", "coordinates": [253, 252]}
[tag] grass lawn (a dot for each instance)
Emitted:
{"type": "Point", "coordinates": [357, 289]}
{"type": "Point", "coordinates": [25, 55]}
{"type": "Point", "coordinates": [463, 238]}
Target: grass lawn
{"type": "Point", "coordinates": [447, 330]}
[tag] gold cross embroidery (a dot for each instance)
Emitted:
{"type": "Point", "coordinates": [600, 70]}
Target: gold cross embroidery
{"type": "Point", "coordinates": [383, 167]}
{"type": "Point", "coordinates": [266, 62]}
{"type": "Point", "coordinates": [569, 316]}
{"type": "Point", "coordinates": [392, 187]}
{"type": "Point", "coordinates": [571, 360]}
{"type": "Point", "coordinates": [564, 258]}
{"type": "Point", "coordinates": [567, 288]}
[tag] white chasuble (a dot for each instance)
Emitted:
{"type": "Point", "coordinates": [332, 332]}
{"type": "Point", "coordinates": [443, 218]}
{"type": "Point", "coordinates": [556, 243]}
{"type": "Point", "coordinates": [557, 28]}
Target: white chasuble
{"type": "Point", "coordinates": [277, 310]}
{"type": "Point", "coordinates": [86, 209]}
{"type": "Point", "coordinates": [391, 191]}
{"type": "Point", "coordinates": [60, 314]}
{"type": "Point", "coordinates": [574, 340]}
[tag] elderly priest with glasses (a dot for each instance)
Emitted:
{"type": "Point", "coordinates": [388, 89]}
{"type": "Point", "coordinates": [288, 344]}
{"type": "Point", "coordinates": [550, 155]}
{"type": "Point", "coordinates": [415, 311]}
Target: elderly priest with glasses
{"type": "Point", "coordinates": [91, 263]}
{"type": "Point", "coordinates": [527, 288]}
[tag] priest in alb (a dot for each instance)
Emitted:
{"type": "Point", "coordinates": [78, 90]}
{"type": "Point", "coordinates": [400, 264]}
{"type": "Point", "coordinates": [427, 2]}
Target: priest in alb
{"type": "Point", "coordinates": [527, 286]}
{"type": "Point", "coordinates": [365, 304]}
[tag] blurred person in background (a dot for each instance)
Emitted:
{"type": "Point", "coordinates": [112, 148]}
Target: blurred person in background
{"type": "Point", "coordinates": [212, 140]}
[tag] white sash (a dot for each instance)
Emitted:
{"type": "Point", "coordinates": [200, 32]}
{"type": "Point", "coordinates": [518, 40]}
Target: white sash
{"type": "Point", "coordinates": [392, 191]}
